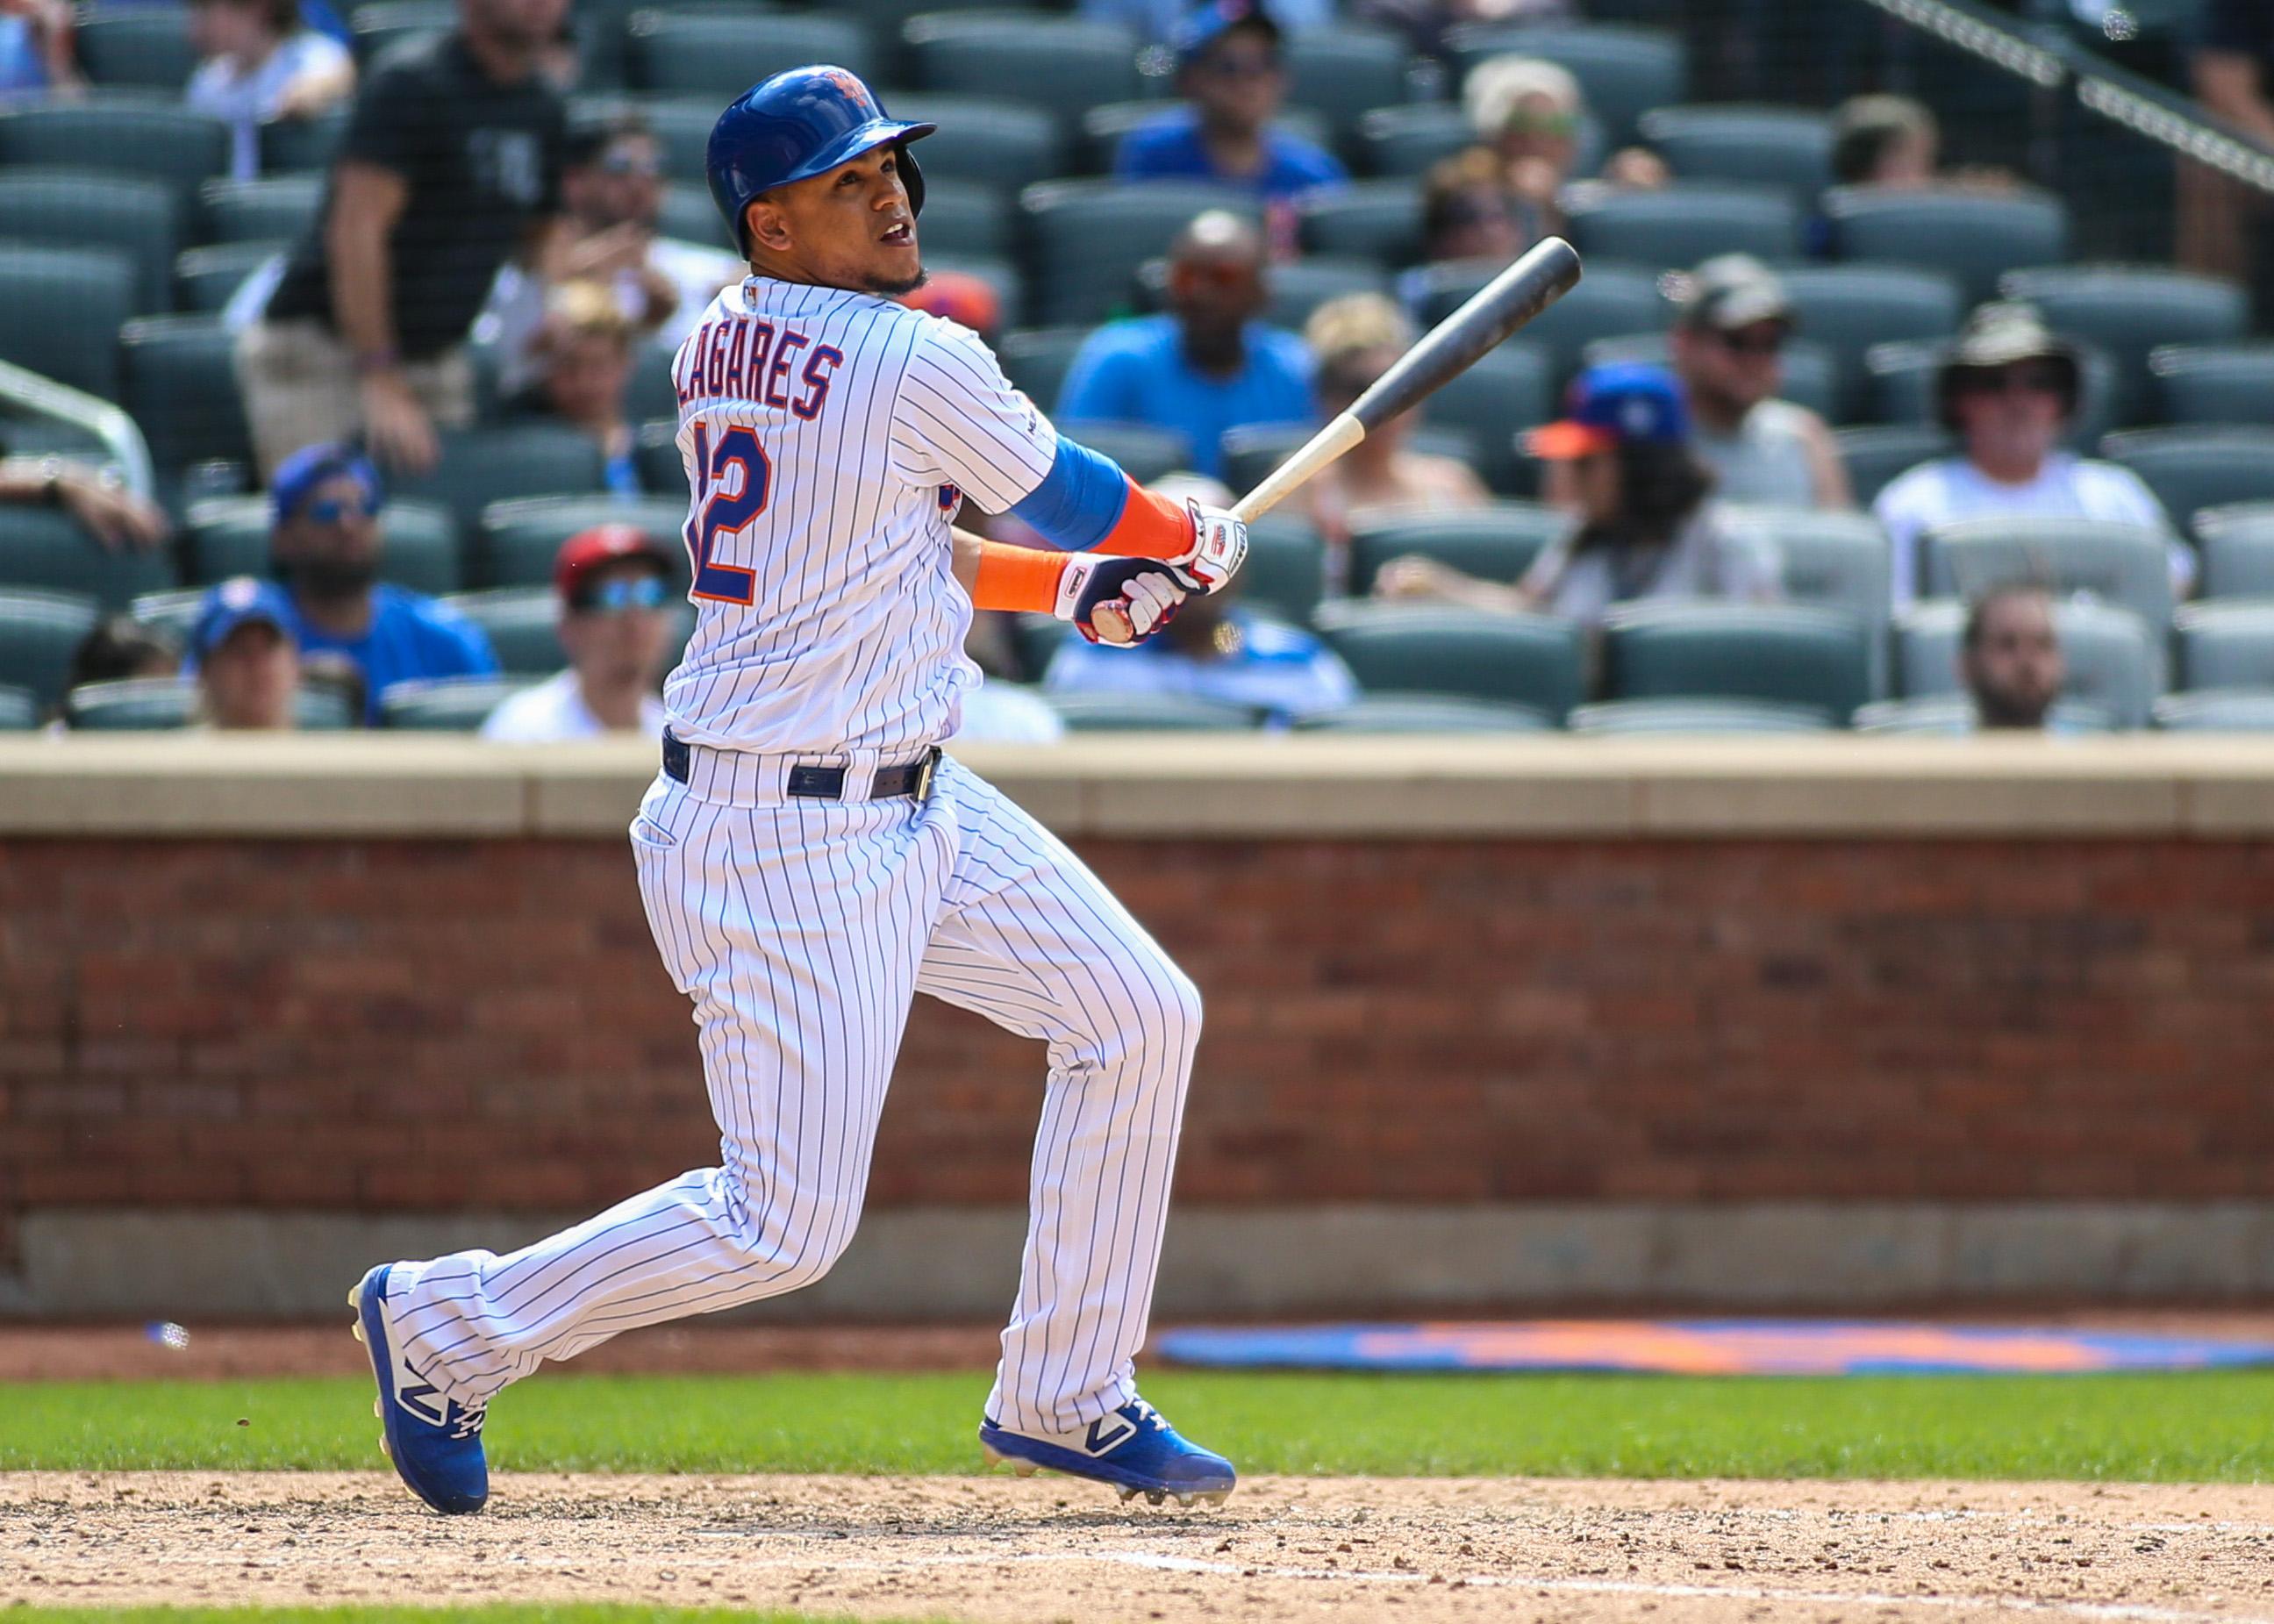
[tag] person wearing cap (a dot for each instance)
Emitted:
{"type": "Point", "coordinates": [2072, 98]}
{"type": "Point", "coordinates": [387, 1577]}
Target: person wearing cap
{"type": "Point", "coordinates": [2008, 389]}
{"type": "Point", "coordinates": [1644, 529]}
{"type": "Point", "coordinates": [1229, 72]}
{"type": "Point", "coordinates": [614, 584]}
{"type": "Point", "coordinates": [1727, 348]}
{"type": "Point", "coordinates": [248, 663]}
{"type": "Point", "coordinates": [324, 540]}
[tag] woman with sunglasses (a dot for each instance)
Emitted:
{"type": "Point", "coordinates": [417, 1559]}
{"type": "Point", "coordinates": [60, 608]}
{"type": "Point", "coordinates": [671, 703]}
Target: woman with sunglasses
{"type": "Point", "coordinates": [615, 586]}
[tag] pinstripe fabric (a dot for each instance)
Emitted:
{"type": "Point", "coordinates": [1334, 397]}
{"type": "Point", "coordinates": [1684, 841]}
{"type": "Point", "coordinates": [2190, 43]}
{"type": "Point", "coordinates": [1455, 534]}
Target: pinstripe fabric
{"type": "Point", "coordinates": [801, 930]}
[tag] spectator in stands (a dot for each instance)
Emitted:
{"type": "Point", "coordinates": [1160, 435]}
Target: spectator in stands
{"type": "Point", "coordinates": [2010, 658]}
{"type": "Point", "coordinates": [1214, 650]}
{"type": "Point", "coordinates": [324, 540]}
{"type": "Point", "coordinates": [614, 586]}
{"type": "Point", "coordinates": [1727, 347]}
{"type": "Point", "coordinates": [1646, 527]}
{"type": "Point", "coordinates": [121, 647]}
{"type": "Point", "coordinates": [36, 50]}
{"type": "Point", "coordinates": [585, 351]}
{"type": "Point", "coordinates": [1467, 212]}
{"type": "Point", "coordinates": [1530, 113]}
{"type": "Point", "coordinates": [1425, 22]}
{"type": "Point", "coordinates": [2008, 389]}
{"type": "Point", "coordinates": [1229, 73]}
{"type": "Point", "coordinates": [451, 166]}
{"type": "Point", "coordinates": [248, 664]}
{"type": "Point", "coordinates": [1208, 364]}
{"type": "Point", "coordinates": [1157, 22]}
{"type": "Point", "coordinates": [259, 63]}
{"type": "Point", "coordinates": [2233, 73]}
{"type": "Point", "coordinates": [959, 297]}
{"type": "Point", "coordinates": [1353, 340]}
{"type": "Point", "coordinates": [1883, 141]}
{"type": "Point", "coordinates": [103, 507]}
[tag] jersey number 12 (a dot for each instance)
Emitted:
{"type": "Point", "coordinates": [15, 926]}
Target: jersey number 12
{"type": "Point", "coordinates": [732, 482]}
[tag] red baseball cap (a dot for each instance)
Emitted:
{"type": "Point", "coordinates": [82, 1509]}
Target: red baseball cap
{"type": "Point", "coordinates": [597, 548]}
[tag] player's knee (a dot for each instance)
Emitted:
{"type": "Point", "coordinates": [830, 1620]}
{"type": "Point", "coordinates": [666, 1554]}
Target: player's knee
{"type": "Point", "coordinates": [1166, 1014]}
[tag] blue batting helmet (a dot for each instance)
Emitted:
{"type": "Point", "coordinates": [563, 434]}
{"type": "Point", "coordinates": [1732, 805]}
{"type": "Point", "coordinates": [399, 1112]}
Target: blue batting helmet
{"type": "Point", "coordinates": [802, 122]}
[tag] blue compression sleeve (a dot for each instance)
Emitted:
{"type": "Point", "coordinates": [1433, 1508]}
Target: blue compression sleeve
{"type": "Point", "coordinates": [1079, 502]}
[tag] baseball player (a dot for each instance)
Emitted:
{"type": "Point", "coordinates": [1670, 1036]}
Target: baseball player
{"type": "Point", "coordinates": [809, 859]}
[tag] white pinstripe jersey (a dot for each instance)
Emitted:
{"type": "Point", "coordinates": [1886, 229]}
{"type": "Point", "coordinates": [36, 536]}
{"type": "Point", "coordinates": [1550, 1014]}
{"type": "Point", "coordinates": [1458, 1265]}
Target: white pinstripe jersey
{"type": "Point", "coordinates": [826, 434]}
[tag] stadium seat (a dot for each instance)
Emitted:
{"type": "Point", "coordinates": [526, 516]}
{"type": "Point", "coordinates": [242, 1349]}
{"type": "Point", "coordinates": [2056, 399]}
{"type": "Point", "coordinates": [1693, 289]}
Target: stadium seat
{"type": "Point", "coordinates": [1700, 715]}
{"type": "Point", "coordinates": [1286, 570]}
{"type": "Point", "coordinates": [1492, 543]}
{"type": "Point", "coordinates": [2237, 549]}
{"type": "Point", "coordinates": [2225, 644]}
{"type": "Point", "coordinates": [1681, 223]}
{"type": "Point", "coordinates": [1145, 451]}
{"type": "Point", "coordinates": [140, 47]}
{"type": "Point", "coordinates": [984, 141]}
{"type": "Point", "coordinates": [681, 126]}
{"type": "Point", "coordinates": [1036, 359]}
{"type": "Point", "coordinates": [1422, 713]}
{"type": "Point", "coordinates": [2128, 310]}
{"type": "Point", "coordinates": [40, 631]}
{"type": "Point", "coordinates": [180, 386]}
{"type": "Point", "coordinates": [82, 208]}
{"type": "Point", "coordinates": [1610, 301]}
{"type": "Point", "coordinates": [1524, 659]}
{"type": "Point", "coordinates": [1831, 560]}
{"type": "Point", "coordinates": [1811, 378]}
{"type": "Point", "coordinates": [147, 704]}
{"type": "Point", "coordinates": [1301, 286]}
{"type": "Point", "coordinates": [2213, 383]}
{"type": "Point", "coordinates": [1700, 648]}
{"type": "Point", "coordinates": [298, 146]}
{"type": "Point", "coordinates": [44, 547]}
{"type": "Point", "coordinates": [963, 217]}
{"type": "Point", "coordinates": [1103, 127]}
{"type": "Point", "coordinates": [2217, 711]}
{"type": "Point", "coordinates": [1952, 715]}
{"type": "Point", "coordinates": [2191, 469]}
{"type": "Point", "coordinates": [1876, 454]}
{"type": "Point", "coordinates": [1000, 275]}
{"type": "Point", "coordinates": [1623, 72]}
{"type": "Point", "coordinates": [517, 541]}
{"type": "Point", "coordinates": [274, 207]}
{"type": "Point", "coordinates": [61, 310]}
{"type": "Point", "coordinates": [1902, 378]}
{"type": "Point", "coordinates": [2119, 564]}
{"type": "Point", "coordinates": [1849, 308]}
{"type": "Point", "coordinates": [1341, 74]}
{"type": "Point", "coordinates": [1063, 65]}
{"type": "Point", "coordinates": [171, 612]}
{"type": "Point", "coordinates": [688, 214]}
{"type": "Point", "coordinates": [20, 712]}
{"type": "Point", "coordinates": [1252, 453]}
{"type": "Point", "coordinates": [383, 25]}
{"type": "Point", "coordinates": [721, 53]}
{"type": "Point", "coordinates": [1087, 239]}
{"type": "Point", "coordinates": [1374, 220]}
{"type": "Point", "coordinates": [1507, 391]}
{"type": "Point", "coordinates": [662, 474]}
{"type": "Point", "coordinates": [2111, 655]}
{"type": "Point", "coordinates": [1976, 236]}
{"type": "Point", "coordinates": [229, 536]}
{"type": "Point", "coordinates": [484, 465]}
{"type": "Point", "coordinates": [521, 622]}
{"type": "Point", "coordinates": [1781, 146]}
{"type": "Point", "coordinates": [141, 136]}
{"type": "Point", "coordinates": [205, 279]}
{"type": "Point", "coordinates": [1121, 713]}
{"type": "Point", "coordinates": [1401, 143]}
{"type": "Point", "coordinates": [451, 706]}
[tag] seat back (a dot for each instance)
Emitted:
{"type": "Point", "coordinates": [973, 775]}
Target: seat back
{"type": "Point", "coordinates": [1610, 301]}
{"type": "Point", "coordinates": [2217, 711]}
{"type": "Point", "coordinates": [1122, 713]}
{"type": "Point", "coordinates": [2192, 468]}
{"type": "Point", "coordinates": [1876, 455]}
{"type": "Point", "coordinates": [381, 26]}
{"type": "Point", "coordinates": [1524, 659]}
{"type": "Point", "coordinates": [2226, 645]}
{"type": "Point", "coordinates": [1065, 65]}
{"type": "Point", "coordinates": [1301, 286]}
{"type": "Point", "coordinates": [453, 705]}
{"type": "Point", "coordinates": [2119, 564]}
{"type": "Point", "coordinates": [1423, 713]}
{"type": "Point", "coordinates": [966, 218]}
{"type": "Point", "coordinates": [1374, 220]}
{"type": "Point", "coordinates": [721, 53]}
{"type": "Point", "coordinates": [1698, 715]}
{"type": "Point", "coordinates": [296, 146]}
{"type": "Point", "coordinates": [1037, 359]}
{"type": "Point", "coordinates": [484, 465]}
{"type": "Point", "coordinates": [518, 541]}
{"type": "Point", "coordinates": [1504, 393]}
{"type": "Point", "coordinates": [180, 388]}
{"type": "Point", "coordinates": [2237, 549]}
{"type": "Point", "coordinates": [1781, 146]}
{"type": "Point", "coordinates": [1975, 237]}
{"type": "Point", "coordinates": [1682, 223]}
{"type": "Point", "coordinates": [2213, 383]}
{"type": "Point", "coordinates": [205, 279]}
{"type": "Point", "coordinates": [20, 712]}
{"type": "Point", "coordinates": [45, 548]}
{"type": "Point", "coordinates": [1146, 451]}
{"type": "Point", "coordinates": [1086, 239]}
{"type": "Point", "coordinates": [1342, 72]}
{"type": "Point", "coordinates": [139, 135]}
{"type": "Point", "coordinates": [1832, 560]}
{"type": "Point", "coordinates": [61, 310]}
{"type": "Point", "coordinates": [985, 141]}
{"type": "Point", "coordinates": [1401, 143]}
{"type": "Point", "coordinates": [135, 48]}
{"type": "Point", "coordinates": [1285, 574]}
{"type": "Point", "coordinates": [229, 536]}
{"type": "Point", "coordinates": [275, 206]}
{"type": "Point", "coordinates": [40, 631]}
{"type": "Point", "coordinates": [1778, 653]}
{"type": "Point", "coordinates": [2110, 654]}
{"type": "Point", "coordinates": [1849, 308]}
{"type": "Point", "coordinates": [523, 624]}
{"type": "Point", "coordinates": [1623, 72]}
{"type": "Point", "coordinates": [132, 704]}
{"type": "Point", "coordinates": [87, 208]}
{"type": "Point", "coordinates": [1492, 543]}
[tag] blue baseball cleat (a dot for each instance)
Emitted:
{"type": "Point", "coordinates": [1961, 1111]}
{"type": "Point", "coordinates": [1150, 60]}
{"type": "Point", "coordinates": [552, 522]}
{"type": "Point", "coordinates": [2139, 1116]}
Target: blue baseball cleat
{"type": "Point", "coordinates": [1134, 1449]}
{"type": "Point", "coordinates": [435, 1442]}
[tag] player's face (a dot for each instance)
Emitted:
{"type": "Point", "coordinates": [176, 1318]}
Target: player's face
{"type": "Point", "coordinates": [851, 228]}
{"type": "Point", "coordinates": [250, 680]}
{"type": "Point", "coordinates": [2015, 671]}
{"type": "Point", "coordinates": [617, 634]}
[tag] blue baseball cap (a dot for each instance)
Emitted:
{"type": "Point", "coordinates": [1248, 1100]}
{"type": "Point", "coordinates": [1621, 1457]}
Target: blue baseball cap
{"type": "Point", "coordinates": [239, 601]}
{"type": "Point", "coordinates": [1204, 25]}
{"type": "Point", "coordinates": [1619, 403]}
{"type": "Point", "coordinates": [299, 475]}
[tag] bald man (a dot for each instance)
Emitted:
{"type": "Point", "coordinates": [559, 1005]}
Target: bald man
{"type": "Point", "coordinates": [1206, 364]}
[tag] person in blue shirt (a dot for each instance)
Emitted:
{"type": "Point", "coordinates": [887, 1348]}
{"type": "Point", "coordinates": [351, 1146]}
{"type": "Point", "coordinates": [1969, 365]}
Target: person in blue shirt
{"type": "Point", "coordinates": [1229, 73]}
{"type": "Point", "coordinates": [1207, 364]}
{"type": "Point", "coordinates": [324, 540]}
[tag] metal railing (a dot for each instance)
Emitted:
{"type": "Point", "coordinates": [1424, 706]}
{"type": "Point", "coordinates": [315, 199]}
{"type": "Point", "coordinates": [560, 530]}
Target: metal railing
{"type": "Point", "coordinates": [28, 391]}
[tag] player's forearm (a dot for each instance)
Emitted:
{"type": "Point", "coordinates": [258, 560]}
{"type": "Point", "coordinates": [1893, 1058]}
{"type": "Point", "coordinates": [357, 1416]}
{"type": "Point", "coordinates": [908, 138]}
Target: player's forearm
{"type": "Point", "coordinates": [999, 576]}
{"type": "Point", "coordinates": [1087, 502]}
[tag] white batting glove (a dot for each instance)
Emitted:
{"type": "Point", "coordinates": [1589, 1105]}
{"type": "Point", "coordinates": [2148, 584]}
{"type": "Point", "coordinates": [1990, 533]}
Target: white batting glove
{"type": "Point", "coordinates": [1118, 601]}
{"type": "Point", "coordinates": [1219, 548]}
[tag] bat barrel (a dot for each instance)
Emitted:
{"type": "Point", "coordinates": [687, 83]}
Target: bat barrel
{"type": "Point", "coordinates": [1543, 274]}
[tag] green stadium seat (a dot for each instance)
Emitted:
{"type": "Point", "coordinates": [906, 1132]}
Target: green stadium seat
{"type": "Point", "coordinates": [229, 536]}
{"type": "Point", "coordinates": [1402, 143]}
{"type": "Point", "coordinates": [2217, 711]}
{"type": "Point", "coordinates": [180, 388]}
{"type": "Point", "coordinates": [1285, 575]}
{"type": "Point", "coordinates": [1340, 73]}
{"type": "Point", "coordinates": [1902, 378]}
{"type": "Point", "coordinates": [85, 208]}
{"type": "Point", "coordinates": [681, 125]}
{"type": "Point", "coordinates": [485, 465]}
{"type": "Point", "coordinates": [1829, 560]}
{"type": "Point", "coordinates": [1145, 451]}
{"type": "Point", "coordinates": [2225, 644]}
{"type": "Point", "coordinates": [1610, 301]}
{"type": "Point", "coordinates": [1875, 455]}
{"type": "Point", "coordinates": [1952, 715]}
{"type": "Point", "coordinates": [518, 541]}
{"type": "Point", "coordinates": [2129, 311]}
{"type": "Point", "coordinates": [1037, 359]}
{"type": "Point", "coordinates": [1811, 376]}
{"type": "Point", "coordinates": [1123, 713]}
{"type": "Point", "coordinates": [1103, 128]}
{"type": "Point", "coordinates": [44, 547]}
{"type": "Point", "coordinates": [205, 279]}
{"type": "Point", "coordinates": [40, 632]}
{"type": "Point", "coordinates": [1000, 275]}
{"type": "Point", "coordinates": [296, 146]}
{"type": "Point", "coordinates": [1087, 239]}
{"type": "Point", "coordinates": [687, 213]}
{"type": "Point", "coordinates": [380, 27]}
{"type": "Point", "coordinates": [2110, 654]}
{"type": "Point", "coordinates": [1524, 659]}
{"type": "Point", "coordinates": [1492, 543]}
{"type": "Point", "coordinates": [1624, 72]}
{"type": "Point", "coordinates": [1376, 220]}
{"type": "Point", "coordinates": [140, 47]}
{"type": "Point", "coordinates": [1705, 716]}
{"type": "Point", "coordinates": [2119, 564]}
{"type": "Point", "coordinates": [275, 208]}
{"type": "Point", "coordinates": [649, 393]}
{"type": "Point", "coordinates": [1786, 654]}
{"type": "Point", "coordinates": [1782, 147]}
{"type": "Point", "coordinates": [20, 712]}
{"type": "Point", "coordinates": [132, 704]}
{"type": "Point", "coordinates": [2191, 469]}
{"type": "Point", "coordinates": [61, 310]}
{"type": "Point", "coordinates": [1975, 237]}
{"type": "Point", "coordinates": [1506, 392]}
{"type": "Point", "coordinates": [983, 141]}
{"type": "Point", "coordinates": [137, 134]}
{"type": "Point", "coordinates": [722, 53]}
{"type": "Point", "coordinates": [172, 613]}
{"type": "Point", "coordinates": [2237, 549]}
{"type": "Point", "coordinates": [2213, 383]}
{"type": "Point", "coordinates": [662, 475]}
{"type": "Point", "coordinates": [1252, 453]}
{"type": "Point", "coordinates": [521, 622]}
{"type": "Point", "coordinates": [1063, 65]}
{"type": "Point", "coordinates": [1682, 223]}
{"type": "Point", "coordinates": [1422, 713]}
{"type": "Point", "coordinates": [963, 217]}
{"type": "Point", "coordinates": [449, 705]}
{"type": "Point", "coordinates": [1301, 286]}
{"type": "Point", "coordinates": [1849, 308]}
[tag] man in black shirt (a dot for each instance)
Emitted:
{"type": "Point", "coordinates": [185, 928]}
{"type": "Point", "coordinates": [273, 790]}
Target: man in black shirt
{"type": "Point", "coordinates": [2234, 76]}
{"type": "Point", "coordinates": [451, 165]}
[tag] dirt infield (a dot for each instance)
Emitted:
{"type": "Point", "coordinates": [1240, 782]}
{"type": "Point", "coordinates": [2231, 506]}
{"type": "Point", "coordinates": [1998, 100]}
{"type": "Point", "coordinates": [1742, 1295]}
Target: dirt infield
{"type": "Point", "coordinates": [1284, 1549]}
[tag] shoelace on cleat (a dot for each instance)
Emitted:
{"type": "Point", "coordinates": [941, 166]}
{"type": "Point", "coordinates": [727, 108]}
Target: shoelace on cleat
{"type": "Point", "coordinates": [470, 1420]}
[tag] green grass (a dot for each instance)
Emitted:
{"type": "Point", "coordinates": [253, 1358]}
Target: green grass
{"type": "Point", "coordinates": [2207, 1427]}
{"type": "Point", "coordinates": [498, 1613]}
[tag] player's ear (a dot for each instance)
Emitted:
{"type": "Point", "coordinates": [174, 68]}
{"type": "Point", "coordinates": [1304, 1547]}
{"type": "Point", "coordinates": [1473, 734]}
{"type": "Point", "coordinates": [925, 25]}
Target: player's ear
{"type": "Point", "coordinates": [765, 224]}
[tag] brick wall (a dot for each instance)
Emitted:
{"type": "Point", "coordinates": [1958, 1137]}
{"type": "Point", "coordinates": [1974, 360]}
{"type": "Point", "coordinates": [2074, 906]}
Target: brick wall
{"type": "Point", "coordinates": [428, 1024]}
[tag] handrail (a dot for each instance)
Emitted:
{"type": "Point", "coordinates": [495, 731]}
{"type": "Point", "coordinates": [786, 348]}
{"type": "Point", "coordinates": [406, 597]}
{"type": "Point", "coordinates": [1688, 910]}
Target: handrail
{"type": "Point", "coordinates": [22, 387]}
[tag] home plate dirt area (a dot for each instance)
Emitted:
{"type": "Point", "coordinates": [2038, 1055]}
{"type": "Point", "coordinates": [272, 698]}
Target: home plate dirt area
{"type": "Point", "coordinates": [998, 1549]}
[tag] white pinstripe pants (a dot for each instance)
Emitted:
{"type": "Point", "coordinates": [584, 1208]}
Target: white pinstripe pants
{"type": "Point", "coordinates": [802, 929]}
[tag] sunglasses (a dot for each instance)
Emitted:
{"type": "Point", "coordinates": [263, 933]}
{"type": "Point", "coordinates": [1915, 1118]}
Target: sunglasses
{"type": "Point", "coordinates": [2013, 380]}
{"type": "Point", "coordinates": [1753, 343]}
{"type": "Point", "coordinates": [1241, 65]}
{"type": "Point", "coordinates": [335, 511]}
{"type": "Point", "coordinates": [617, 597]}
{"type": "Point", "coordinates": [625, 163]}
